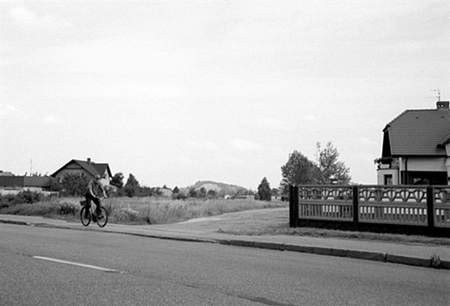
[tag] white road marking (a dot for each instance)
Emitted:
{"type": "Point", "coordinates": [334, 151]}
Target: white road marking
{"type": "Point", "coordinates": [75, 264]}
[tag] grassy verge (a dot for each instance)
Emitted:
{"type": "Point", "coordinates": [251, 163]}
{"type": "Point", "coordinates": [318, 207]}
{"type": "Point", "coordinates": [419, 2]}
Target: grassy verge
{"type": "Point", "coordinates": [159, 211]}
{"type": "Point", "coordinates": [275, 222]}
{"type": "Point", "coordinates": [140, 210]}
{"type": "Point", "coordinates": [328, 233]}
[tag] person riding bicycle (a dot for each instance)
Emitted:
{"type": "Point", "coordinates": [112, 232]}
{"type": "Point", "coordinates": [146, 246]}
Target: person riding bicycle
{"type": "Point", "coordinates": [96, 190]}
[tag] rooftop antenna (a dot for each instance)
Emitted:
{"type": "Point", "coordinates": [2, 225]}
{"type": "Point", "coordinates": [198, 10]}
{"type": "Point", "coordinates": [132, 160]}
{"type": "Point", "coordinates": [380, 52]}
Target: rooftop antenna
{"type": "Point", "coordinates": [438, 93]}
{"type": "Point", "coordinates": [31, 166]}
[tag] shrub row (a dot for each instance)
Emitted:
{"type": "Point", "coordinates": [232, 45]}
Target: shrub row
{"type": "Point", "coordinates": [25, 196]}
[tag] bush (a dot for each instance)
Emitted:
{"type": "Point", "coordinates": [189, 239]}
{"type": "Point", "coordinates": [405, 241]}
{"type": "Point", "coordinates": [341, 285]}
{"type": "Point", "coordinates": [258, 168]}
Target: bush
{"type": "Point", "coordinates": [132, 186]}
{"type": "Point", "coordinates": [22, 197]}
{"type": "Point", "coordinates": [28, 197]}
{"type": "Point", "coordinates": [55, 185]}
{"type": "Point", "coordinates": [74, 184]}
{"type": "Point", "coordinates": [179, 196]}
{"type": "Point", "coordinates": [6, 200]}
{"type": "Point", "coordinates": [68, 209]}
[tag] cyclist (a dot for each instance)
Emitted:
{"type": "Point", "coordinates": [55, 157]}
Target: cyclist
{"type": "Point", "coordinates": [96, 190]}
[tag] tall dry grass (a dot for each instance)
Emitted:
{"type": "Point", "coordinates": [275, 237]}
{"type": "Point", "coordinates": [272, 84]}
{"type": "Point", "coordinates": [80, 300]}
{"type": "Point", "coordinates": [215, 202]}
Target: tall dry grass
{"type": "Point", "coordinates": [159, 210]}
{"type": "Point", "coordinates": [146, 210]}
{"type": "Point", "coordinates": [67, 208]}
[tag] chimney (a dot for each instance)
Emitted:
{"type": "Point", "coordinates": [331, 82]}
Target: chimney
{"type": "Point", "coordinates": [88, 160]}
{"type": "Point", "coordinates": [442, 104]}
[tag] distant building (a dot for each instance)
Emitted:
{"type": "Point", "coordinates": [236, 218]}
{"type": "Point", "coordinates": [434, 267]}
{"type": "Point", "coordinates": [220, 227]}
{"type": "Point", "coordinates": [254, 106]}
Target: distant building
{"type": "Point", "coordinates": [416, 148]}
{"type": "Point", "coordinates": [12, 184]}
{"type": "Point", "coordinates": [87, 167]}
{"type": "Point", "coordinates": [6, 173]}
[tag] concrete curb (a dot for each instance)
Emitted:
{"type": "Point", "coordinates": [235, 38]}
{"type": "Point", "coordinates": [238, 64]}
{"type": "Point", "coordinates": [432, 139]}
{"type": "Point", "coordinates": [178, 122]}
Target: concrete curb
{"type": "Point", "coordinates": [14, 222]}
{"type": "Point", "coordinates": [365, 255]}
{"type": "Point", "coordinates": [412, 261]}
{"type": "Point", "coordinates": [186, 239]}
{"type": "Point", "coordinates": [357, 254]}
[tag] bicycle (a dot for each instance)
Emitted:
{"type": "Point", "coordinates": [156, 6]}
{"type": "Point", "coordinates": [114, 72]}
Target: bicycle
{"type": "Point", "coordinates": [87, 214]}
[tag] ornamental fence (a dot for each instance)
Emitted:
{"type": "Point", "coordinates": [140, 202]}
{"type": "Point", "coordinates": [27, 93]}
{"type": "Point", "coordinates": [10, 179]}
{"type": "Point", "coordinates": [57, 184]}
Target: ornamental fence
{"type": "Point", "coordinates": [402, 205]}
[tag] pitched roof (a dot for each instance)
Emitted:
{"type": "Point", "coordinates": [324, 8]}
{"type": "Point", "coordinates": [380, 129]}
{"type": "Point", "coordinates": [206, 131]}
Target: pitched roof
{"type": "Point", "coordinates": [101, 168]}
{"type": "Point", "coordinates": [419, 132]}
{"type": "Point", "coordinates": [90, 167]}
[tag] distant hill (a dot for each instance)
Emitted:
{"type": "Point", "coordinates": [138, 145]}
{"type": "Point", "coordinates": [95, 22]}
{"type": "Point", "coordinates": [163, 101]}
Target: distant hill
{"type": "Point", "coordinates": [221, 189]}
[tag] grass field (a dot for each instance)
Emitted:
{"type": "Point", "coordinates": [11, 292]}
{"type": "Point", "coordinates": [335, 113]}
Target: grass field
{"type": "Point", "coordinates": [147, 210]}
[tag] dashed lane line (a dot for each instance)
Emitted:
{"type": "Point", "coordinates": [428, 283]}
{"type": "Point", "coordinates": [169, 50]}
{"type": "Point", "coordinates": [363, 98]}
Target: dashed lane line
{"type": "Point", "coordinates": [76, 264]}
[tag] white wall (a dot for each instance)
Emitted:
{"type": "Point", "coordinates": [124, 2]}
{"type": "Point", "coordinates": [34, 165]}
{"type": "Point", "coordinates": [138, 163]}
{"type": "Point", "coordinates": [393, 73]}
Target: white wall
{"type": "Point", "coordinates": [416, 164]}
{"type": "Point", "coordinates": [382, 172]}
{"type": "Point", "coordinates": [424, 164]}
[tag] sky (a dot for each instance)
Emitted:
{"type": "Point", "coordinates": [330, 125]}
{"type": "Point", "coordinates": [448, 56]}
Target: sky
{"type": "Point", "coordinates": [180, 91]}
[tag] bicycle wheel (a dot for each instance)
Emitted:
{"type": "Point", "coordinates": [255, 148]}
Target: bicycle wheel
{"type": "Point", "coordinates": [85, 216]}
{"type": "Point", "coordinates": [102, 221]}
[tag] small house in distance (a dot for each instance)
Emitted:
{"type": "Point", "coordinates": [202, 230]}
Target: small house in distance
{"type": "Point", "coordinates": [13, 184]}
{"type": "Point", "coordinates": [416, 148]}
{"type": "Point", "coordinates": [86, 167]}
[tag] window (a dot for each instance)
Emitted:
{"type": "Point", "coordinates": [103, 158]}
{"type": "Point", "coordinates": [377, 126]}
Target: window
{"type": "Point", "coordinates": [388, 179]}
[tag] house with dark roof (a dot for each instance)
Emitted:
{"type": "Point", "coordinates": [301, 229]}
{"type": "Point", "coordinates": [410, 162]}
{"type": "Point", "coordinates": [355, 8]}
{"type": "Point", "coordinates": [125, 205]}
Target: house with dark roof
{"type": "Point", "coordinates": [416, 148]}
{"type": "Point", "coordinates": [86, 167]}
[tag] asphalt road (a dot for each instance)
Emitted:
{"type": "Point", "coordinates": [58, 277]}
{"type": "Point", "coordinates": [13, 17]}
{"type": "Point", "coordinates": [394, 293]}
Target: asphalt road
{"type": "Point", "coordinates": [164, 272]}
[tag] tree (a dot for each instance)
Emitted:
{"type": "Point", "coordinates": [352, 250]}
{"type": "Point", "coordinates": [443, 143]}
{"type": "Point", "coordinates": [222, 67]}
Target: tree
{"type": "Point", "coordinates": [55, 185]}
{"type": "Point", "coordinates": [178, 194]}
{"type": "Point", "coordinates": [284, 189]}
{"type": "Point", "coordinates": [145, 191]}
{"type": "Point", "coordinates": [192, 193]}
{"type": "Point", "coordinates": [211, 194]}
{"type": "Point", "coordinates": [299, 170]}
{"type": "Point", "coordinates": [74, 184]}
{"type": "Point", "coordinates": [117, 180]}
{"type": "Point", "coordinates": [332, 171]}
{"type": "Point", "coordinates": [275, 192]}
{"type": "Point", "coordinates": [132, 186]}
{"type": "Point", "coordinates": [264, 191]}
{"type": "Point", "coordinates": [201, 192]}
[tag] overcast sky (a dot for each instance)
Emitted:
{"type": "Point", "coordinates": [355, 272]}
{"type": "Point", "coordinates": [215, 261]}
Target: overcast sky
{"type": "Point", "coordinates": [180, 91]}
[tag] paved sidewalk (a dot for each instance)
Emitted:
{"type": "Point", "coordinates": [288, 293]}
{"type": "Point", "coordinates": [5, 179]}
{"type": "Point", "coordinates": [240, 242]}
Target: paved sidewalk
{"type": "Point", "coordinates": [207, 230]}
